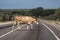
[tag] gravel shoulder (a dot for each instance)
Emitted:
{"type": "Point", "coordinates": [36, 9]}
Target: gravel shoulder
{"type": "Point", "coordinates": [54, 24]}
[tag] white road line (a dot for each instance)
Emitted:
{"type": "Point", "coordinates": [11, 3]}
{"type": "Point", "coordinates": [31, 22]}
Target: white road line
{"type": "Point", "coordinates": [10, 32]}
{"type": "Point", "coordinates": [51, 31]}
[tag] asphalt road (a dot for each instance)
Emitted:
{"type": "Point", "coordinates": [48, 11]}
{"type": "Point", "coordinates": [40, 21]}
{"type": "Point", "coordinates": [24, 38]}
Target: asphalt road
{"type": "Point", "coordinates": [40, 32]}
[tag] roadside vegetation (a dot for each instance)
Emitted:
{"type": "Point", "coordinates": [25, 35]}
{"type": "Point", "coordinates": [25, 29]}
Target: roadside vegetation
{"type": "Point", "coordinates": [40, 12]}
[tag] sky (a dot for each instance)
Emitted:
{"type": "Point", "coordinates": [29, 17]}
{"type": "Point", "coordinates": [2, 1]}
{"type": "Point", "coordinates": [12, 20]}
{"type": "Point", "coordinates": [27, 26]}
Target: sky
{"type": "Point", "coordinates": [27, 4]}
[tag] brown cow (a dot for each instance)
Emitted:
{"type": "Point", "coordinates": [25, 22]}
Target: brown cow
{"type": "Point", "coordinates": [25, 19]}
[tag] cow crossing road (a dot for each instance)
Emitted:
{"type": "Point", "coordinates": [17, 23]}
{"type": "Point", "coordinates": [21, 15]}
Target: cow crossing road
{"type": "Point", "coordinates": [39, 32]}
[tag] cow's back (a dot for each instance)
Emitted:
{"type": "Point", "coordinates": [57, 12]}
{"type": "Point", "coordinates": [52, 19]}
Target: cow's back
{"type": "Point", "coordinates": [25, 19]}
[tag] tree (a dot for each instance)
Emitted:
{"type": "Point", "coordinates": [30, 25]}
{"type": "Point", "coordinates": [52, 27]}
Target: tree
{"type": "Point", "coordinates": [48, 12]}
{"type": "Point", "coordinates": [37, 12]}
{"type": "Point", "coordinates": [4, 18]}
{"type": "Point", "coordinates": [57, 13]}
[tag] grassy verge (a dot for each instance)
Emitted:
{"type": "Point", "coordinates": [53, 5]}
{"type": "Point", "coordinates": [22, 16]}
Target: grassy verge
{"type": "Point", "coordinates": [52, 21]}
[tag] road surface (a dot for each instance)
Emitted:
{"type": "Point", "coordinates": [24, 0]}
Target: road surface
{"type": "Point", "coordinates": [39, 32]}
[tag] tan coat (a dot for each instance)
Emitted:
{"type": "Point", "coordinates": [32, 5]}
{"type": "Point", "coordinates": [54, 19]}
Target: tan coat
{"type": "Point", "coordinates": [24, 19]}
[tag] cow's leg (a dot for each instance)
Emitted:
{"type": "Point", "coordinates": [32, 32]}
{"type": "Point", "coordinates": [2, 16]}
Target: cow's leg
{"type": "Point", "coordinates": [18, 26]}
{"type": "Point", "coordinates": [27, 27]}
{"type": "Point", "coordinates": [31, 26]}
{"type": "Point", "coordinates": [13, 26]}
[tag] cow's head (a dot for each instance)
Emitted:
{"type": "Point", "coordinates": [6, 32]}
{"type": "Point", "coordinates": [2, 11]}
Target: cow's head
{"type": "Point", "coordinates": [35, 21]}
